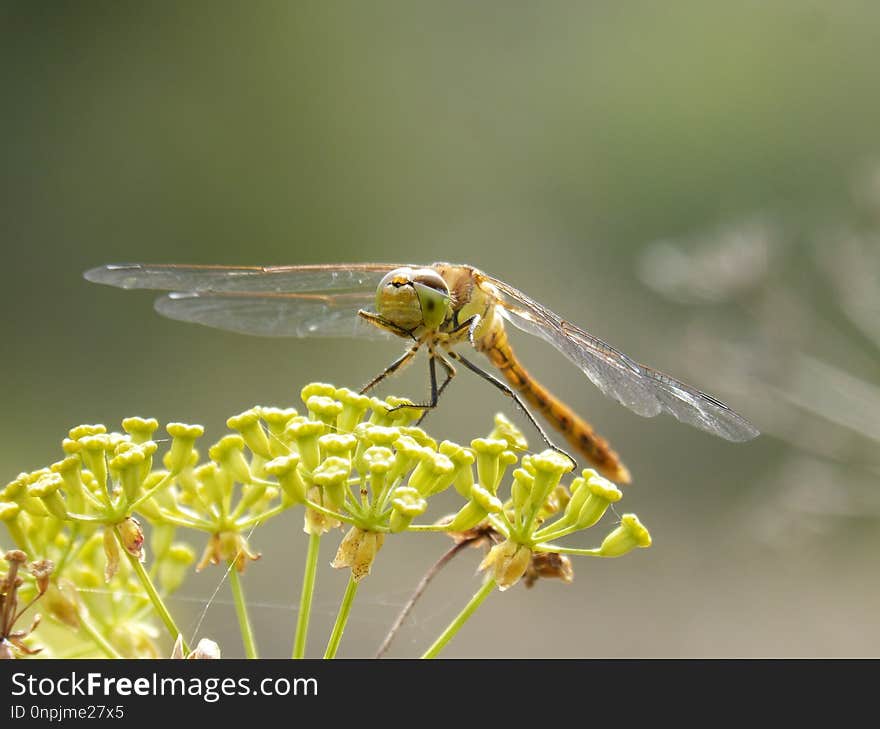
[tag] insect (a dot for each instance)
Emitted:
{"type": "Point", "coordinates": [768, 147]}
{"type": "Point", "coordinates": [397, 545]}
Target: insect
{"type": "Point", "coordinates": [439, 308]}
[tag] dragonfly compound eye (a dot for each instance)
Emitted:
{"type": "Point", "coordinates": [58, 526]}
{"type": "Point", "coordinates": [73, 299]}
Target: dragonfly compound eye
{"type": "Point", "coordinates": [410, 298]}
{"type": "Point", "coordinates": [433, 296]}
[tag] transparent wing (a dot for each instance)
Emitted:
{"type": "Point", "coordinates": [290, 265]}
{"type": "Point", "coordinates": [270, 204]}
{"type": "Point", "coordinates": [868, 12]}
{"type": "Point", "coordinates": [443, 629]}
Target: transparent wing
{"type": "Point", "coordinates": [275, 315]}
{"type": "Point", "coordinates": [278, 279]}
{"type": "Point", "coordinates": [641, 389]}
{"type": "Point", "coordinates": [274, 301]}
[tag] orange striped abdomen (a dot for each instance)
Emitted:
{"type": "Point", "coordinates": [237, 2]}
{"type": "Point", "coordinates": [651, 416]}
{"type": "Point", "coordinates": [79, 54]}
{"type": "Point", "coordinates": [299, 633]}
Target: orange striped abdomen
{"type": "Point", "coordinates": [577, 431]}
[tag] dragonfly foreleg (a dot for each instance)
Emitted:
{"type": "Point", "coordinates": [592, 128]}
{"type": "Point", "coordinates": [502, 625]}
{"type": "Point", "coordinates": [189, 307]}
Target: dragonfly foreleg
{"type": "Point", "coordinates": [382, 323]}
{"type": "Point", "coordinates": [469, 325]}
{"type": "Point", "coordinates": [392, 368]}
{"type": "Point", "coordinates": [516, 398]}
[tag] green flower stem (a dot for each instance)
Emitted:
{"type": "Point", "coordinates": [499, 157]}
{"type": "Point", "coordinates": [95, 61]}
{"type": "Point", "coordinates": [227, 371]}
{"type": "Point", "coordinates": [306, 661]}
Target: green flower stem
{"type": "Point", "coordinates": [341, 618]}
{"type": "Point", "coordinates": [71, 551]}
{"type": "Point", "coordinates": [97, 637]}
{"type": "Point", "coordinates": [329, 512]}
{"type": "Point", "coordinates": [189, 522]}
{"type": "Point", "coordinates": [460, 619]}
{"type": "Point", "coordinates": [427, 528]}
{"type": "Point", "coordinates": [305, 599]}
{"type": "Point", "coordinates": [549, 534]}
{"type": "Point", "coordinates": [501, 523]}
{"type": "Point", "coordinates": [88, 519]}
{"type": "Point", "coordinates": [243, 524]}
{"type": "Point", "coordinates": [148, 494]}
{"type": "Point", "coordinates": [543, 547]}
{"type": "Point", "coordinates": [153, 594]}
{"type": "Point", "coordinates": [244, 622]}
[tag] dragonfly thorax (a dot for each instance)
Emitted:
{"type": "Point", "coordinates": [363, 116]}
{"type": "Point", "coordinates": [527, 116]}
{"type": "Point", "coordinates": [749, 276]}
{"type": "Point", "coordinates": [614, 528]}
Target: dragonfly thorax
{"type": "Point", "coordinates": [413, 297]}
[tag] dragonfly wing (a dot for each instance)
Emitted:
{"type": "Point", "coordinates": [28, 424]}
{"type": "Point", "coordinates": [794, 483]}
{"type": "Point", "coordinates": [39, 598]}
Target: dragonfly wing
{"type": "Point", "coordinates": [641, 389]}
{"type": "Point", "coordinates": [278, 279]}
{"type": "Point", "coordinates": [275, 315]}
{"type": "Point", "coordinates": [699, 409]}
{"type": "Point", "coordinates": [275, 301]}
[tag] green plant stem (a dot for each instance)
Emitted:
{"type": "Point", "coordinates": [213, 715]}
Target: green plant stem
{"type": "Point", "coordinates": [149, 494]}
{"type": "Point", "coordinates": [460, 619]}
{"type": "Point", "coordinates": [427, 528]}
{"type": "Point", "coordinates": [305, 598]}
{"type": "Point", "coordinates": [543, 547]}
{"type": "Point", "coordinates": [153, 594]}
{"type": "Point", "coordinates": [244, 622]}
{"type": "Point", "coordinates": [341, 618]}
{"type": "Point", "coordinates": [97, 637]}
{"type": "Point", "coordinates": [548, 535]}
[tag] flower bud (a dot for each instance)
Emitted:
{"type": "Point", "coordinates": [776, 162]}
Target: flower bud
{"type": "Point", "coordinates": [324, 409]}
{"type": "Point", "coordinates": [174, 566]}
{"type": "Point", "coordinates": [321, 389]}
{"type": "Point", "coordinates": [337, 444]}
{"type": "Point", "coordinates": [462, 458]}
{"type": "Point", "coordinates": [401, 412]}
{"type": "Point", "coordinates": [286, 470]}
{"type": "Point", "coordinates": [82, 430]}
{"type": "Point", "coordinates": [406, 504]}
{"type": "Point", "coordinates": [140, 429]}
{"type": "Point", "coordinates": [10, 515]}
{"type": "Point", "coordinates": [626, 537]}
{"type": "Point", "coordinates": [228, 453]}
{"type": "Point", "coordinates": [62, 602]}
{"type": "Point", "coordinates": [419, 436]}
{"type": "Point", "coordinates": [354, 406]}
{"type": "Point", "coordinates": [433, 474]}
{"type": "Point", "coordinates": [94, 451]}
{"type": "Point", "coordinates": [601, 494]}
{"type": "Point", "coordinates": [549, 466]}
{"type": "Point", "coordinates": [332, 476]}
{"type": "Point", "coordinates": [521, 490]}
{"type": "Point", "coordinates": [161, 537]}
{"type": "Point", "coordinates": [46, 489]}
{"type": "Point", "coordinates": [305, 433]}
{"type": "Point", "coordinates": [183, 438]}
{"type": "Point", "coordinates": [248, 425]}
{"type": "Point", "coordinates": [505, 430]}
{"type": "Point", "coordinates": [70, 469]}
{"type": "Point", "coordinates": [489, 452]}
{"type": "Point", "coordinates": [379, 461]}
{"type": "Point", "coordinates": [128, 465]}
{"type": "Point", "coordinates": [276, 419]}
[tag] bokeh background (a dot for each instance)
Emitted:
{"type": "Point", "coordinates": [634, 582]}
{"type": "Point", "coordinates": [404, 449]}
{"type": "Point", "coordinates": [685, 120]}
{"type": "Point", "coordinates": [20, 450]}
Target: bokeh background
{"type": "Point", "coordinates": [696, 182]}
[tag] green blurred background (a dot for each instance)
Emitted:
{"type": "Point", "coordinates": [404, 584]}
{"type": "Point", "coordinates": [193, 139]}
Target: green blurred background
{"type": "Point", "coordinates": [693, 181]}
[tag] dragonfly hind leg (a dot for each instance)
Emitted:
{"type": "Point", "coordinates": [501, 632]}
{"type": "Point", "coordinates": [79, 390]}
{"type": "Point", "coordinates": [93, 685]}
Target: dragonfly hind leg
{"type": "Point", "coordinates": [516, 398]}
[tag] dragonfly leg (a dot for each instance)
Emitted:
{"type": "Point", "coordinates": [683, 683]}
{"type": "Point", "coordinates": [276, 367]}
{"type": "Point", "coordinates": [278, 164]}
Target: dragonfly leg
{"type": "Point", "coordinates": [392, 368]}
{"type": "Point", "coordinates": [382, 323]}
{"type": "Point", "coordinates": [469, 325]}
{"type": "Point", "coordinates": [435, 391]}
{"type": "Point", "coordinates": [516, 398]}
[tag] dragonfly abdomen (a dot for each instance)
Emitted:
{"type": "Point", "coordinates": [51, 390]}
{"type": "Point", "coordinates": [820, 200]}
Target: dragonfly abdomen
{"type": "Point", "coordinates": [577, 431]}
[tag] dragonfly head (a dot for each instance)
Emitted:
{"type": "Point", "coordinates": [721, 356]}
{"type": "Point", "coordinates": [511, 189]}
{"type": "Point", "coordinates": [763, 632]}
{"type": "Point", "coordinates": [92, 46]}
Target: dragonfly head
{"type": "Point", "coordinates": [412, 297]}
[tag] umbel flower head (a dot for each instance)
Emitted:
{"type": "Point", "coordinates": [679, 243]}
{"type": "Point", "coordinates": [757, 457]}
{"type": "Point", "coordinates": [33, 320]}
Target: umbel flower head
{"type": "Point", "coordinates": [110, 511]}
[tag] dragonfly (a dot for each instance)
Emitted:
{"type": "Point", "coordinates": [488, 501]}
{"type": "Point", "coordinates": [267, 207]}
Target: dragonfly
{"type": "Point", "coordinates": [442, 308]}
